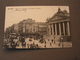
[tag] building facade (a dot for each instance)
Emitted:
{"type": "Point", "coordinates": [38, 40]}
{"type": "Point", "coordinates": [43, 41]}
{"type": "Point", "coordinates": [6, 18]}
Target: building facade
{"type": "Point", "coordinates": [28, 27]}
{"type": "Point", "coordinates": [59, 26]}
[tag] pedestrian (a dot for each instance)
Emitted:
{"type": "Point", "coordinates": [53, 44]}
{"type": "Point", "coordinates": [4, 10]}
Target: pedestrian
{"type": "Point", "coordinates": [45, 42]}
{"type": "Point", "coordinates": [28, 45]}
{"type": "Point", "coordinates": [13, 45]}
{"type": "Point", "coordinates": [50, 44]}
{"type": "Point", "coordinates": [23, 42]}
{"type": "Point", "coordinates": [18, 43]}
{"type": "Point", "coordinates": [45, 45]}
{"type": "Point", "coordinates": [54, 41]}
{"type": "Point", "coordinates": [59, 44]}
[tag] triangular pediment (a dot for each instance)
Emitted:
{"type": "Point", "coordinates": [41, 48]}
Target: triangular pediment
{"type": "Point", "coordinates": [60, 15]}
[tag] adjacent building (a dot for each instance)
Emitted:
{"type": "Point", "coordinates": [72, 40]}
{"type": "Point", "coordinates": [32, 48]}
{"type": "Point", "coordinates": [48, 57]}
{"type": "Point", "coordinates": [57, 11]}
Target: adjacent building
{"type": "Point", "coordinates": [28, 27]}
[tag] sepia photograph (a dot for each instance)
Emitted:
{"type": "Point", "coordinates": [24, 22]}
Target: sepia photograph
{"type": "Point", "coordinates": [30, 27]}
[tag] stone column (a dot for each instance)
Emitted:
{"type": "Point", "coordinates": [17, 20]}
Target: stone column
{"type": "Point", "coordinates": [64, 28]}
{"type": "Point", "coordinates": [49, 29]}
{"type": "Point", "coordinates": [68, 28]}
{"type": "Point", "coordinates": [55, 29]}
{"type": "Point", "coordinates": [52, 29]}
{"type": "Point", "coordinates": [59, 28]}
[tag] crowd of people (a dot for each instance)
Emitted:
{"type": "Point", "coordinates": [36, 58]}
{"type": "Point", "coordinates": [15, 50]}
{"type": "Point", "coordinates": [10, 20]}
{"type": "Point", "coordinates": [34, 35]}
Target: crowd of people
{"type": "Point", "coordinates": [29, 42]}
{"type": "Point", "coordinates": [14, 41]}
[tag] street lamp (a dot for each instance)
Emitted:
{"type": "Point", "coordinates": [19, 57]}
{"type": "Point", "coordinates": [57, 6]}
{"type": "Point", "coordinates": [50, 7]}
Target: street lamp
{"type": "Point", "coordinates": [62, 41]}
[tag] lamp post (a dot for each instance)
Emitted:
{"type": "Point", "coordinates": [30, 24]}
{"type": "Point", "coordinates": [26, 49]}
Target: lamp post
{"type": "Point", "coordinates": [62, 41]}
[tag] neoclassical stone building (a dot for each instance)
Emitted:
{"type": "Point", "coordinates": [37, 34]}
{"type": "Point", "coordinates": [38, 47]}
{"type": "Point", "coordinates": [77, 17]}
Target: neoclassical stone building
{"type": "Point", "coordinates": [59, 26]}
{"type": "Point", "coordinates": [29, 27]}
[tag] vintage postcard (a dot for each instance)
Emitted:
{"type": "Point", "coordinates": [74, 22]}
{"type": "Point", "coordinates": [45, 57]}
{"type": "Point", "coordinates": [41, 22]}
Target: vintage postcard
{"type": "Point", "coordinates": [37, 27]}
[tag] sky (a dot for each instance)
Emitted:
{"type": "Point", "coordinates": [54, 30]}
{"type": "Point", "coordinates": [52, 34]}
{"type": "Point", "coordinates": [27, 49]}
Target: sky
{"type": "Point", "coordinates": [15, 14]}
